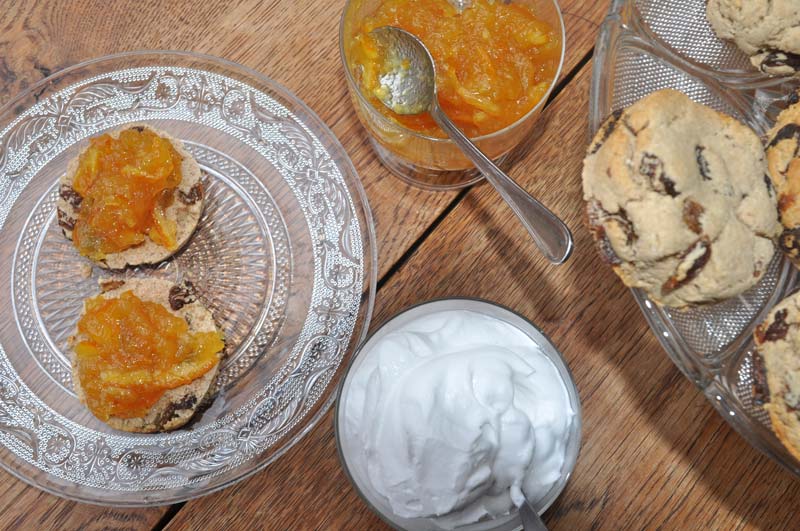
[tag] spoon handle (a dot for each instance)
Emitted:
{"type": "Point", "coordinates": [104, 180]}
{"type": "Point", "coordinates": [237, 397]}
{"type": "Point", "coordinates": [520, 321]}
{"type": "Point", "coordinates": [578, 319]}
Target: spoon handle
{"type": "Point", "coordinates": [531, 521]}
{"type": "Point", "coordinates": [551, 235]}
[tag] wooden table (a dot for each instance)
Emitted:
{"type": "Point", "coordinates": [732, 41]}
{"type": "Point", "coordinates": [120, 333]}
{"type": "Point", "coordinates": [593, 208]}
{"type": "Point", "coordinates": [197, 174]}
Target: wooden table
{"type": "Point", "coordinates": [654, 455]}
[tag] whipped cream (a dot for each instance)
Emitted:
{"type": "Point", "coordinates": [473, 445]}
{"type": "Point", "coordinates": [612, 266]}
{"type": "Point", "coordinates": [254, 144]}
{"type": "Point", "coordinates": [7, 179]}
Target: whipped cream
{"type": "Point", "coordinates": [455, 415]}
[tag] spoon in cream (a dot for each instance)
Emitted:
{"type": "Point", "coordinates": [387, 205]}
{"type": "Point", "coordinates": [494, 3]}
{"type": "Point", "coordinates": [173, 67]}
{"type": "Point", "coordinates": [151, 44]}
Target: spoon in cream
{"type": "Point", "coordinates": [408, 86]}
{"type": "Point", "coordinates": [531, 521]}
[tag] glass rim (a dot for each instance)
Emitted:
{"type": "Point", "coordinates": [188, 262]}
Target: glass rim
{"type": "Point", "coordinates": [560, 364]}
{"type": "Point", "coordinates": [383, 119]}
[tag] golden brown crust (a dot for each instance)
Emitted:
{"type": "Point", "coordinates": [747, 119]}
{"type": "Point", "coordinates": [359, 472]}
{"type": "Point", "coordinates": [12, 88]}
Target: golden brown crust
{"type": "Point", "coordinates": [792, 444]}
{"type": "Point", "coordinates": [777, 341]}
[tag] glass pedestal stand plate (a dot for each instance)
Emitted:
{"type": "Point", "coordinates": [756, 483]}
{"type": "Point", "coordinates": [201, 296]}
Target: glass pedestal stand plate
{"type": "Point", "coordinates": [647, 45]}
{"type": "Point", "coordinates": [284, 256]}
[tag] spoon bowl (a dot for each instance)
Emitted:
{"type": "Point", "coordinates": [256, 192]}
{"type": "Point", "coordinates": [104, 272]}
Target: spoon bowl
{"type": "Point", "coordinates": [408, 82]}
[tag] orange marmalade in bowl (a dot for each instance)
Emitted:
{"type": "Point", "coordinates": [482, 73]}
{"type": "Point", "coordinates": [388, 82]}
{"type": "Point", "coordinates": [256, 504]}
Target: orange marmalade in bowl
{"type": "Point", "coordinates": [127, 183]}
{"type": "Point", "coordinates": [495, 60]}
{"type": "Point", "coordinates": [133, 351]}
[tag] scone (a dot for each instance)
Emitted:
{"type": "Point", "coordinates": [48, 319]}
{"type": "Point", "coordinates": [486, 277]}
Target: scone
{"type": "Point", "coordinates": [778, 358]}
{"type": "Point", "coordinates": [783, 162]}
{"type": "Point", "coordinates": [182, 208]}
{"type": "Point", "coordinates": [110, 395]}
{"type": "Point", "coordinates": [766, 30]}
{"type": "Point", "coordinates": [678, 201]}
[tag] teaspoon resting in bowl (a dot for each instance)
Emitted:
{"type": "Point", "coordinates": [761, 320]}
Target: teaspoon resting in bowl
{"type": "Point", "coordinates": [408, 86]}
{"type": "Point", "coordinates": [531, 521]}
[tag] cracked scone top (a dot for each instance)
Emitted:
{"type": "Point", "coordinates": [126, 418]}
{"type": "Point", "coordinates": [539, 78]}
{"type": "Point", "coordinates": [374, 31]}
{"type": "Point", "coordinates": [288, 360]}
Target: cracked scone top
{"type": "Point", "coordinates": [777, 370]}
{"type": "Point", "coordinates": [678, 200]}
{"type": "Point", "coordinates": [766, 30]}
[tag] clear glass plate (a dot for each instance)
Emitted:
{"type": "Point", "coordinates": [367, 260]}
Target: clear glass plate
{"type": "Point", "coordinates": [647, 45]}
{"type": "Point", "coordinates": [284, 256]}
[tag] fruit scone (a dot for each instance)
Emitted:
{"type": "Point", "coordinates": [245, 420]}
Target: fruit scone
{"type": "Point", "coordinates": [766, 30]}
{"type": "Point", "coordinates": [133, 196]}
{"type": "Point", "coordinates": [145, 354]}
{"type": "Point", "coordinates": [783, 163]}
{"type": "Point", "coordinates": [777, 370]}
{"type": "Point", "coordinates": [678, 200]}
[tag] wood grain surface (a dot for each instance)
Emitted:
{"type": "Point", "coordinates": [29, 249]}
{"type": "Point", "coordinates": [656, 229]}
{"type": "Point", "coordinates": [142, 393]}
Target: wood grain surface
{"type": "Point", "coordinates": [655, 454]}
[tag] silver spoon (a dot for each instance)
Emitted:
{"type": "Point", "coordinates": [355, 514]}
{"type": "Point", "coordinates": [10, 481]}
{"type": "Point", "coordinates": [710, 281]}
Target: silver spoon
{"type": "Point", "coordinates": [409, 87]}
{"type": "Point", "coordinates": [531, 521]}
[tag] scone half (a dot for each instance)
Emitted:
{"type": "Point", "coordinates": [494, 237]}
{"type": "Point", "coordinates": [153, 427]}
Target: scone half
{"type": "Point", "coordinates": [185, 210]}
{"type": "Point", "coordinates": [177, 406]}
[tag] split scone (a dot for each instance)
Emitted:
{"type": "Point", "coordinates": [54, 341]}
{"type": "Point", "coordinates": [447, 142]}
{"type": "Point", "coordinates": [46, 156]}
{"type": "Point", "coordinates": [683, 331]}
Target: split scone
{"type": "Point", "coordinates": [145, 354]}
{"type": "Point", "coordinates": [133, 196]}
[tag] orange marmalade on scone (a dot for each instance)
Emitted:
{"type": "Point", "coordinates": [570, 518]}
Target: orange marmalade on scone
{"type": "Point", "coordinates": [495, 60]}
{"type": "Point", "coordinates": [133, 351]}
{"type": "Point", "coordinates": [127, 183]}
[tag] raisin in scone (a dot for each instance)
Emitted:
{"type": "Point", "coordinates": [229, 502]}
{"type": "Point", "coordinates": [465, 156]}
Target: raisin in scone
{"type": "Point", "coordinates": [179, 207]}
{"type": "Point", "coordinates": [777, 362]}
{"type": "Point", "coordinates": [766, 30]}
{"type": "Point", "coordinates": [678, 201]}
{"type": "Point", "coordinates": [783, 162]}
{"type": "Point", "coordinates": [119, 390]}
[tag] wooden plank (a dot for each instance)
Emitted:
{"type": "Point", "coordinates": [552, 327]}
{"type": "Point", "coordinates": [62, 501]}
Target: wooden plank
{"type": "Point", "coordinates": [294, 43]}
{"type": "Point", "coordinates": [24, 507]}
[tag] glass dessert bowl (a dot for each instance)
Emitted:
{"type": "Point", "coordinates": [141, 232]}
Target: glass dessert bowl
{"type": "Point", "coordinates": [457, 407]}
{"type": "Point", "coordinates": [413, 152]}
